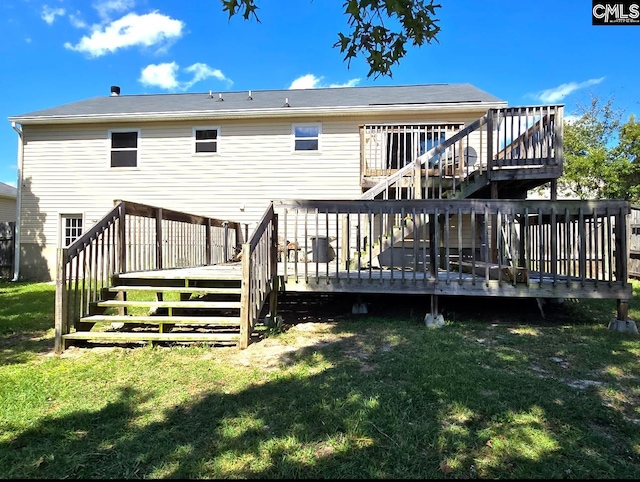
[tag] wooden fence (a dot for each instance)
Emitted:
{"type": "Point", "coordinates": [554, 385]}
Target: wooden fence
{"type": "Point", "coordinates": [7, 249]}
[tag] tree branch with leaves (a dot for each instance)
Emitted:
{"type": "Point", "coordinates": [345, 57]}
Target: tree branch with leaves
{"type": "Point", "coordinates": [380, 29]}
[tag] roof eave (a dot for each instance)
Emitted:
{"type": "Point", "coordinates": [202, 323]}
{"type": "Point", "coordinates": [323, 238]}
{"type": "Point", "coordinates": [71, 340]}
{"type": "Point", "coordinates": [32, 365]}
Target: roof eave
{"type": "Point", "coordinates": [261, 113]}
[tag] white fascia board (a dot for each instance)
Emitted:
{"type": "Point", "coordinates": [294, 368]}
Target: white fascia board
{"type": "Point", "coordinates": [263, 113]}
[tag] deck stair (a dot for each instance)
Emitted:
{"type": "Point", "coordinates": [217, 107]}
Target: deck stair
{"type": "Point", "coordinates": [141, 308]}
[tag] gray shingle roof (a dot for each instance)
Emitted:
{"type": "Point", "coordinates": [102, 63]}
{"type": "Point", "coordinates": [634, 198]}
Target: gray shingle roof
{"type": "Point", "coordinates": [346, 97]}
{"type": "Point", "coordinates": [8, 191]}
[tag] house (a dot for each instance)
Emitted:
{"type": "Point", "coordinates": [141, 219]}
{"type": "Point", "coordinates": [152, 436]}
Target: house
{"type": "Point", "coordinates": [416, 189]}
{"type": "Point", "coordinates": [215, 154]}
{"type": "Point", "coordinates": [8, 195]}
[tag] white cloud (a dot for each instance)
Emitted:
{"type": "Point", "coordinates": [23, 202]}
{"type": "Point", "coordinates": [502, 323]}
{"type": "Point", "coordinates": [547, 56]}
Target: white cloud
{"type": "Point", "coordinates": [49, 14]}
{"type": "Point", "coordinates": [203, 71]}
{"type": "Point", "coordinates": [165, 75]}
{"type": "Point", "coordinates": [558, 93]}
{"type": "Point", "coordinates": [132, 29]}
{"type": "Point", "coordinates": [571, 118]}
{"type": "Point", "coordinates": [310, 81]}
{"type": "Point", "coordinates": [160, 75]}
{"type": "Point", "coordinates": [106, 7]}
{"type": "Point", "coordinates": [77, 21]}
{"type": "Point", "coordinates": [348, 83]}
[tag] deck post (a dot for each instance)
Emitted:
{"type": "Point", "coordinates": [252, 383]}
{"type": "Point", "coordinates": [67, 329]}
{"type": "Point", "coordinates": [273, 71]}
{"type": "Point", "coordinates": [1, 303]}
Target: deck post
{"type": "Point", "coordinates": [490, 143]}
{"type": "Point", "coordinates": [554, 189]}
{"type": "Point", "coordinates": [159, 238]}
{"type": "Point", "coordinates": [494, 226]}
{"type": "Point", "coordinates": [623, 323]}
{"type": "Point", "coordinates": [433, 269]}
{"type": "Point", "coordinates": [417, 180]}
{"type": "Point", "coordinates": [61, 312]}
{"type": "Point", "coordinates": [434, 319]}
{"type": "Point", "coordinates": [273, 296]}
{"type": "Point", "coordinates": [122, 252]}
{"type": "Point", "coordinates": [122, 248]}
{"type": "Point", "coordinates": [245, 298]}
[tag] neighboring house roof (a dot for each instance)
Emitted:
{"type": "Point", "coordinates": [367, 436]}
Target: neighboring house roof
{"type": "Point", "coordinates": [8, 191]}
{"type": "Point", "coordinates": [265, 103]}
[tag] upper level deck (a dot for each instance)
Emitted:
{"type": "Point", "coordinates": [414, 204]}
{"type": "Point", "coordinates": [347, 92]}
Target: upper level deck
{"type": "Point", "coordinates": [517, 147]}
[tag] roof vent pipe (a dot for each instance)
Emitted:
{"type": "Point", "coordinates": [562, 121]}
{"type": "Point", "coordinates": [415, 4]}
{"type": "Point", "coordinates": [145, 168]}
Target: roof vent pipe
{"type": "Point", "coordinates": [220, 97]}
{"type": "Point", "coordinates": [115, 90]}
{"type": "Point", "coordinates": [249, 98]}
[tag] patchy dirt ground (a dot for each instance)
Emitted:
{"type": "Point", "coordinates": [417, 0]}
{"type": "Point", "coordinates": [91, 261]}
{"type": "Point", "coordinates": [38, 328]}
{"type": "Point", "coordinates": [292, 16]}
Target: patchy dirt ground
{"type": "Point", "coordinates": [310, 321]}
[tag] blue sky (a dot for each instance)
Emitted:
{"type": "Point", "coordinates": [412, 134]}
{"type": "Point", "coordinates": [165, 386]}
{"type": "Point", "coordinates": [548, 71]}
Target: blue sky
{"type": "Point", "coordinates": [59, 51]}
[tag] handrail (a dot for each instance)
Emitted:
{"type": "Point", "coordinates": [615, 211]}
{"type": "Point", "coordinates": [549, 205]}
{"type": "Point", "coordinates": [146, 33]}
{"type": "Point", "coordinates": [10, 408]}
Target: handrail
{"type": "Point", "coordinates": [259, 274]}
{"type": "Point", "coordinates": [427, 156]}
{"type": "Point", "coordinates": [515, 137]}
{"type": "Point", "coordinates": [469, 242]}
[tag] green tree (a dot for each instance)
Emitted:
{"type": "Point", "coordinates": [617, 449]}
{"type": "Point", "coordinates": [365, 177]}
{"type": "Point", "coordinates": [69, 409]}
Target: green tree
{"type": "Point", "coordinates": [591, 162]}
{"type": "Point", "coordinates": [602, 155]}
{"type": "Point", "coordinates": [379, 29]}
{"type": "Point", "coordinates": [629, 151]}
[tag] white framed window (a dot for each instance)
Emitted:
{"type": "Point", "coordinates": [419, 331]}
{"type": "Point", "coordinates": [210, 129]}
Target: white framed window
{"type": "Point", "coordinates": [71, 226]}
{"type": "Point", "coordinates": [205, 140]}
{"type": "Point", "coordinates": [123, 147]}
{"type": "Point", "coordinates": [306, 137]}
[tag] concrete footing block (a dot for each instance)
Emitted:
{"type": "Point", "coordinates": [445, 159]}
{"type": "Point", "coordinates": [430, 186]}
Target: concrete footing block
{"type": "Point", "coordinates": [432, 321]}
{"type": "Point", "coordinates": [272, 321]}
{"type": "Point", "coordinates": [625, 326]}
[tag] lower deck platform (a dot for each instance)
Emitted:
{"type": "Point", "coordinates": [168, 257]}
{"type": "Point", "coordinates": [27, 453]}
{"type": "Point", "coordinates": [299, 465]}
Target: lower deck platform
{"type": "Point", "coordinates": [329, 278]}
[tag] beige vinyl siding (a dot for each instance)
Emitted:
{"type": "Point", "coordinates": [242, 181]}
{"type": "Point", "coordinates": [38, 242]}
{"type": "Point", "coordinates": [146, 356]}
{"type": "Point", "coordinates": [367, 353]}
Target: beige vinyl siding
{"type": "Point", "coordinates": [66, 170]}
{"type": "Point", "coordinates": [7, 209]}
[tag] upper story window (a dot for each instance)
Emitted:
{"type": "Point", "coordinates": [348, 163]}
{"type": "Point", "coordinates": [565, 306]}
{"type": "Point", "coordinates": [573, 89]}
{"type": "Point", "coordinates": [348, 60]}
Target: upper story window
{"type": "Point", "coordinates": [306, 137]}
{"type": "Point", "coordinates": [206, 139]}
{"type": "Point", "coordinates": [124, 148]}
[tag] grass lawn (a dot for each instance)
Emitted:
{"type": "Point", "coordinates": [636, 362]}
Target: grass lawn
{"type": "Point", "coordinates": [498, 392]}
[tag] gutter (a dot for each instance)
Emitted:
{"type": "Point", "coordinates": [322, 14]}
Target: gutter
{"type": "Point", "coordinates": [264, 113]}
{"type": "Point", "coordinates": [16, 258]}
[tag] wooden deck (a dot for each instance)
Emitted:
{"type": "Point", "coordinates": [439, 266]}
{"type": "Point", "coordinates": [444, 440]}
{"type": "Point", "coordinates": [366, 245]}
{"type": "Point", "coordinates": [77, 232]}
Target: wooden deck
{"type": "Point", "coordinates": [329, 278]}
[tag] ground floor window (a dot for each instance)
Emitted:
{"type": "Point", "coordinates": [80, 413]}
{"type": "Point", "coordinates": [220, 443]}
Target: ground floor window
{"type": "Point", "coordinates": [71, 228]}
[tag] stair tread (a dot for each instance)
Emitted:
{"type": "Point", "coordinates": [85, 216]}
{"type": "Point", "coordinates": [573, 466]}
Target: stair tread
{"type": "Point", "coordinates": [200, 320]}
{"type": "Point", "coordinates": [171, 304]}
{"type": "Point", "coordinates": [176, 289]}
{"type": "Point", "coordinates": [121, 335]}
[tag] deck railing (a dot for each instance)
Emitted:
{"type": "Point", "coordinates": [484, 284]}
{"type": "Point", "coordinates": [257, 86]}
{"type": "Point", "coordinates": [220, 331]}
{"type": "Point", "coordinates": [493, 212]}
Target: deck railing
{"type": "Point", "coordinates": [470, 243]}
{"type": "Point", "coordinates": [503, 139]}
{"type": "Point", "coordinates": [135, 237]}
{"type": "Point", "coordinates": [259, 274]}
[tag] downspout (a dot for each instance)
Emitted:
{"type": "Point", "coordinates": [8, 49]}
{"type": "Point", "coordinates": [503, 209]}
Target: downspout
{"type": "Point", "coordinates": [16, 258]}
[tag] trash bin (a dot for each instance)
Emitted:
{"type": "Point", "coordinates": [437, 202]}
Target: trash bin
{"type": "Point", "coordinates": [320, 249]}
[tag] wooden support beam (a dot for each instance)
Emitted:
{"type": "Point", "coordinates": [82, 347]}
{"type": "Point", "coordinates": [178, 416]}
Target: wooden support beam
{"type": "Point", "coordinates": [494, 226]}
{"type": "Point", "coordinates": [623, 310]}
{"type": "Point", "coordinates": [245, 298]}
{"type": "Point", "coordinates": [159, 238]}
{"type": "Point", "coordinates": [61, 314]}
{"type": "Point", "coordinates": [273, 296]}
{"type": "Point", "coordinates": [417, 180]}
